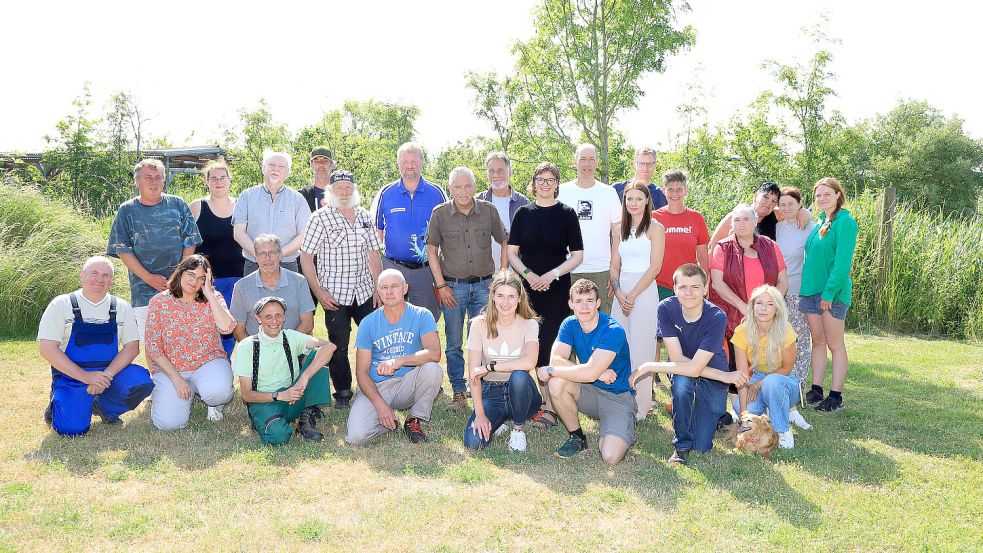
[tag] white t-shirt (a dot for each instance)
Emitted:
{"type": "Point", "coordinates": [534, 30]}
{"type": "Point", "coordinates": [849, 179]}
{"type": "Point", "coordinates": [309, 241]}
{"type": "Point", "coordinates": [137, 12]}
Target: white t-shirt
{"type": "Point", "coordinates": [506, 346]}
{"type": "Point", "coordinates": [597, 207]}
{"type": "Point", "coordinates": [502, 205]}
{"type": "Point", "coordinates": [56, 322]}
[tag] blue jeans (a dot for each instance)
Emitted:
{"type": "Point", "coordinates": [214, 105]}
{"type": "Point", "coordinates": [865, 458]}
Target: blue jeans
{"type": "Point", "coordinates": [224, 286]}
{"type": "Point", "coordinates": [471, 299]}
{"type": "Point", "coordinates": [697, 404]}
{"type": "Point", "coordinates": [778, 393]}
{"type": "Point", "coordinates": [518, 400]}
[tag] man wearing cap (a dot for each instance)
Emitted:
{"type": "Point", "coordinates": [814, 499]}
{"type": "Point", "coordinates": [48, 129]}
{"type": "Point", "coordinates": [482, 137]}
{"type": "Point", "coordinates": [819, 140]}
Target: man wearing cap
{"type": "Point", "coordinates": [459, 250]}
{"type": "Point", "coordinates": [501, 195]}
{"type": "Point", "coordinates": [321, 166]}
{"type": "Point", "coordinates": [90, 338]}
{"type": "Point", "coordinates": [396, 365]}
{"type": "Point", "coordinates": [275, 385]}
{"type": "Point", "coordinates": [271, 208]}
{"type": "Point", "coordinates": [271, 279]}
{"type": "Point", "coordinates": [342, 237]}
{"type": "Point", "coordinates": [402, 212]}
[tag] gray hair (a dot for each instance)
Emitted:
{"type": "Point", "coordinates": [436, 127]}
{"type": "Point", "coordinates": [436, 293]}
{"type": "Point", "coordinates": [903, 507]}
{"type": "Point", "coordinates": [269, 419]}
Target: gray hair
{"type": "Point", "coordinates": [270, 154]}
{"type": "Point", "coordinates": [458, 171]}
{"type": "Point", "coordinates": [267, 238]}
{"type": "Point", "coordinates": [96, 259]}
{"type": "Point", "coordinates": [744, 208]}
{"type": "Point", "coordinates": [411, 147]}
{"type": "Point", "coordinates": [501, 156]}
{"type": "Point", "coordinates": [583, 147]}
{"type": "Point", "coordinates": [148, 162]}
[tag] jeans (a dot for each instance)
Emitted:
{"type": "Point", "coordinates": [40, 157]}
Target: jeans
{"type": "Point", "coordinates": [339, 325]}
{"type": "Point", "coordinates": [778, 393]}
{"type": "Point", "coordinates": [697, 404]}
{"type": "Point", "coordinates": [471, 299]}
{"type": "Point", "coordinates": [224, 287]}
{"type": "Point", "coordinates": [518, 400]}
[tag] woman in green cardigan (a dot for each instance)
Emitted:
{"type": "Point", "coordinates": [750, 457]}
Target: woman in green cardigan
{"type": "Point", "coordinates": [827, 290]}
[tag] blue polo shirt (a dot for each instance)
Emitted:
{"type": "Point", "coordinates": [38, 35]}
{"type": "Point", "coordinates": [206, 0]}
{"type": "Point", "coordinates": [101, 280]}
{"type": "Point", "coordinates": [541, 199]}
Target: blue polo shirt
{"type": "Point", "coordinates": [405, 218]}
{"type": "Point", "coordinates": [658, 198]}
{"type": "Point", "coordinates": [607, 335]}
{"type": "Point", "coordinates": [706, 333]}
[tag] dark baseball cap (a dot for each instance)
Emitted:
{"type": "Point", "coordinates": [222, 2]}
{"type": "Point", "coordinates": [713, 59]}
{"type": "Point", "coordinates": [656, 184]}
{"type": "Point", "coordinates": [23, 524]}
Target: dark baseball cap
{"type": "Point", "coordinates": [261, 303]}
{"type": "Point", "coordinates": [322, 151]}
{"type": "Point", "coordinates": [341, 175]}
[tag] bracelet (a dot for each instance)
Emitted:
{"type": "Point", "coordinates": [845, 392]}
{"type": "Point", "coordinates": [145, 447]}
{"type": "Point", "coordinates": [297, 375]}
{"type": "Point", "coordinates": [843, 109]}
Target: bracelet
{"type": "Point", "coordinates": [444, 285]}
{"type": "Point", "coordinates": [526, 271]}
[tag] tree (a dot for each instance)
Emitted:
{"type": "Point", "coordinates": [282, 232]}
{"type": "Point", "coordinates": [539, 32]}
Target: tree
{"type": "Point", "coordinates": [259, 132]}
{"type": "Point", "coordinates": [757, 144]}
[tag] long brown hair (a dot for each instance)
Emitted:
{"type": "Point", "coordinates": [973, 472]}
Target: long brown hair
{"type": "Point", "coordinates": [505, 277]}
{"type": "Point", "coordinates": [189, 263]}
{"type": "Point", "coordinates": [830, 182]}
{"type": "Point", "coordinates": [643, 227]}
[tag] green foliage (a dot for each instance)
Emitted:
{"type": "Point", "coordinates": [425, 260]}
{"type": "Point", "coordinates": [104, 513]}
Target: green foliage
{"type": "Point", "coordinates": [257, 133]}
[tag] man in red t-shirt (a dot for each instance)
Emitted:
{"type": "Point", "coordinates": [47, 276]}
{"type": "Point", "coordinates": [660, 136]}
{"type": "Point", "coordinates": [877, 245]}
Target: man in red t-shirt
{"type": "Point", "coordinates": [686, 232]}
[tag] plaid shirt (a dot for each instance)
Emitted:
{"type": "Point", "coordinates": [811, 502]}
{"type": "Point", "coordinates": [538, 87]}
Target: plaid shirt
{"type": "Point", "coordinates": [342, 253]}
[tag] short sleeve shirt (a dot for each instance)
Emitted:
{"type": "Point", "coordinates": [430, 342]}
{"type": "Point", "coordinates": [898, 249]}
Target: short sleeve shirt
{"type": "Point", "coordinates": [597, 207]}
{"type": "Point", "coordinates": [56, 322]}
{"type": "Point", "coordinates": [739, 339]}
{"type": "Point", "coordinates": [706, 333]}
{"type": "Point", "coordinates": [184, 333]}
{"type": "Point", "coordinates": [156, 235]}
{"type": "Point", "coordinates": [465, 240]}
{"type": "Point", "coordinates": [292, 288]}
{"type": "Point", "coordinates": [342, 250]}
{"type": "Point", "coordinates": [388, 341]}
{"type": "Point", "coordinates": [609, 336]}
{"type": "Point", "coordinates": [404, 218]}
{"type": "Point", "coordinates": [508, 345]}
{"type": "Point", "coordinates": [684, 232]}
{"type": "Point", "coordinates": [274, 372]}
{"type": "Point", "coordinates": [658, 198]}
{"type": "Point", "coordinates": [286, 216]}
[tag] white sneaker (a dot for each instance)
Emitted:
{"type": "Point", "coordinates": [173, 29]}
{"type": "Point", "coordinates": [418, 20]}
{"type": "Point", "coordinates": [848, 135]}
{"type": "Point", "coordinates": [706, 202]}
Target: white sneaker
{"type": "Point", "coordinates": [517, 440]}
{"type": "Point", "coordinates": [215, 413]}
{"type": "Point", "coordinates": [501, 430]}
{"type": "Point", "coordinates": [797, 420]}
{"type": "Point", "coordinates": [786, 440]}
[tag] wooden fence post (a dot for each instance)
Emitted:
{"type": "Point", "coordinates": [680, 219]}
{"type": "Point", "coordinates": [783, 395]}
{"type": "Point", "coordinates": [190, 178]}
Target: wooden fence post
{"type": "Point", "coordinates": [886, 204]}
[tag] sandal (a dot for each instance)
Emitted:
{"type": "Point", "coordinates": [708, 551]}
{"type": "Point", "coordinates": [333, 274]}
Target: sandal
{"type": "Point", "coordinates": [544, 419]}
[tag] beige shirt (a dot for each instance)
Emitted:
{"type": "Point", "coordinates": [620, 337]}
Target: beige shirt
{"type": "Point", "coordinates": [465, 240]}
{"type": "Point", "coordinates": [506, 346]}
{"type": "Point", "coordinates": [56, 322]}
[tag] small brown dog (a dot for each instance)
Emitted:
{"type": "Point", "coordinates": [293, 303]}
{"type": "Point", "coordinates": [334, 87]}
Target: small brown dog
{"type": "Point", "coordinates": [755, 434]}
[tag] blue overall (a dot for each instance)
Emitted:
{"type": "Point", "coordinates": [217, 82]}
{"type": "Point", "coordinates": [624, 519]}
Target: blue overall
{"type": "Point", "coordinates": [93, 346]}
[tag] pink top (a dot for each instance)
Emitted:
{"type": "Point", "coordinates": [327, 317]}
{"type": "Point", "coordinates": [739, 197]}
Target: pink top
{"type": "Point", "coordinates": [754, 273]}
{"type": "Point", "coordinates": [184, 333]}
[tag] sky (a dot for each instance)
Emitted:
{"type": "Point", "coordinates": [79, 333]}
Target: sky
{"type": "Point", "coordinates": [193, 65]}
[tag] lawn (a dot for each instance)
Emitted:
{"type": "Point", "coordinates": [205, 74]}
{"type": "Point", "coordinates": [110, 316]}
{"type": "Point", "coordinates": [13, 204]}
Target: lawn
{"type": "Point", "coordinates": [900, 469]}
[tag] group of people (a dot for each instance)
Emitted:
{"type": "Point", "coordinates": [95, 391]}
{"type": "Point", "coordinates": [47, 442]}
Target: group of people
{"type": "Point", "coordinates": [562, 303]}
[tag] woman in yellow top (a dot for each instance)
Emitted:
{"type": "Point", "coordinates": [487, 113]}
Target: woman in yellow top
{"type": "Point", "coordinates": [764, 346]}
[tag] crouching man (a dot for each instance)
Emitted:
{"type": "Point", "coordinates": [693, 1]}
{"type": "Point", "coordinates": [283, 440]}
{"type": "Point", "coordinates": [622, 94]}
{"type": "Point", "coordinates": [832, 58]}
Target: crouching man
{"type": "Point", "coordinates": [598, 386]}
{"type": "Point", "coordinates": [80, 335]}
{"type": "Point", "coordinates": [274, 384]}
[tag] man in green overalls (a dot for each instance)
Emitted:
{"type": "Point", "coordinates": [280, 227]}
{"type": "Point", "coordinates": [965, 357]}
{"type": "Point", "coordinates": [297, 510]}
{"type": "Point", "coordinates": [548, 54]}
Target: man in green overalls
{"type": "Point", "coordinates": [276, 387]}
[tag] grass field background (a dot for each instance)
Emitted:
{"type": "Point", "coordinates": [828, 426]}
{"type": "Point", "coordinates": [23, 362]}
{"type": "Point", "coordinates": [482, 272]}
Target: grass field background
{"type": "Point", "coordinates": [900, 469]}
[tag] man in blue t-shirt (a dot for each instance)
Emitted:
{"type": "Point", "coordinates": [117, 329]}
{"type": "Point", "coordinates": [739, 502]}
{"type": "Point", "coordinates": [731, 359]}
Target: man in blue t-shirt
{"type": "Point", "coordinates": [598, 386]}
{"type": "Point", "coordinates": [395, 364]}
{"type": "Point", "coordinates": [693, 331]}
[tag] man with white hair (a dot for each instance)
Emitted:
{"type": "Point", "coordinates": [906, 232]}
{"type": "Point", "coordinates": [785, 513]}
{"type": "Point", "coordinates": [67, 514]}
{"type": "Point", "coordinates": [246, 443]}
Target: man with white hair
{"type": "Point", "coordinates": [341, 237]}
{"type": "Point", "coordinates": [271, 208]}
{"type": "Point", "coordinates": [459, 250]}
{"type": "Point", "coordinates": [599, 211]}
{"type": "Point", "coordinates": [396, 365]}
{"type": "Point", "coordinates": [90, 338]}
{"type": "Point", "coordinates": [500, 194]}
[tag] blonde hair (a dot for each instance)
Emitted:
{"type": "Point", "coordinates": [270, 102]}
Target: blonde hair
{"type": "Point", "coordinates": [505, 277]}
{"type": "Point", "coordinates": [776, 334]}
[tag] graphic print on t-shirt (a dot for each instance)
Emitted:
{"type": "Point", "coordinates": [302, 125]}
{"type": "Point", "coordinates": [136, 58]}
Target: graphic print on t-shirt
{"type": "Point", "coordinates": [585, 210]}
{"type": "Point", "coordinates": [505, 353]}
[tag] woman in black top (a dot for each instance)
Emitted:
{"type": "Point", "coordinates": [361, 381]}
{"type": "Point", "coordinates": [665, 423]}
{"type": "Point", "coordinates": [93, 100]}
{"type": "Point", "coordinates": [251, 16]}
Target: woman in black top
{"type": "Point", "coordinates": [543, 234]}
{"type": "Point", "coordinates": [214, 217]}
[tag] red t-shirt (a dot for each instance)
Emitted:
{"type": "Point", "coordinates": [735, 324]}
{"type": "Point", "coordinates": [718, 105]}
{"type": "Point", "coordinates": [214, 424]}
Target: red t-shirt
{"type": "Point", "coordinates": [684, 232]}
{"type": "Point", "coordinates": [754, 273]}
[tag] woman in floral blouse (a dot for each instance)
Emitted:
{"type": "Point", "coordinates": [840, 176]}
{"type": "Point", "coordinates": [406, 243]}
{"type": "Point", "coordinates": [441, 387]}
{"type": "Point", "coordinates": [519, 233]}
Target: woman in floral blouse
{"type": "Point", "coordinates": [184, 347]}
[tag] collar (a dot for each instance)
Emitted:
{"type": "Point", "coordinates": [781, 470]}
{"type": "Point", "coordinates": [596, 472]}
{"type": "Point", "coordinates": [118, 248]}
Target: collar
{"type": "Point", "coordinates": [264, 339]}
{"type": "Point", "coordinates": [81, 296]}
{"type": "Point", "coordinates": [279, 281]}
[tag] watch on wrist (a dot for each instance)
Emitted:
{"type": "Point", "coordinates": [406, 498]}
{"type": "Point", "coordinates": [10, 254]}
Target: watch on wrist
{"type": "Point", "coordinates": [526, 271]}
{"type": "Point", "coordinates": [549, 370]}
{"type": "Point", "coordinates": [491, 366]}
{"type": "Point", "coordinates": [273, 396]}
{"type": "Point", "coordinates": [556, 273]}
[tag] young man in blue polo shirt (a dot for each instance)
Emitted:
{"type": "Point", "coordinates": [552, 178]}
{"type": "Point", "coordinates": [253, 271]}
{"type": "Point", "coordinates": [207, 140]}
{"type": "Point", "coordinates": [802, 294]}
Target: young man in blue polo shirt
{"type": "Point", "coordinates": [402, 212]}
{"type": "Point", "coordinates": [597, 386]}
{"type": "Point", "coordinates": [693, 330]}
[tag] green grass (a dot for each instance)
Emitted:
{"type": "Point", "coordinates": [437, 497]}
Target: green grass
{"type": "Point", "coordinates": [900, 469]}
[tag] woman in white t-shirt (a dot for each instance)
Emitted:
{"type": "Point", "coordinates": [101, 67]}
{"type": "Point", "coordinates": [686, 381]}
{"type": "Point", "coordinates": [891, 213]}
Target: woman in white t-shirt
{"type": "Point", "coordinates": [503, 344]}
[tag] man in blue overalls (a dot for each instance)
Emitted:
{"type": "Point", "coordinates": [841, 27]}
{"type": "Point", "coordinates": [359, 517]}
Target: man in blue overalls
{"type": "Point", "coordinates": [80, 335]}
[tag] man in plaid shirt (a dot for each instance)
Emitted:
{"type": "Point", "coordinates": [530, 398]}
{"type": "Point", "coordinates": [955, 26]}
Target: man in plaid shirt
{"type": "Point", "coordinates": [342, 236]}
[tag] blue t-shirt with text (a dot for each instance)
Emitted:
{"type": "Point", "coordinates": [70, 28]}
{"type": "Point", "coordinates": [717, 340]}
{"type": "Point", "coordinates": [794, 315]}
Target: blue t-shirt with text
{"type": "Point", "coordinates": [706, 333]}
{"type": "Point", "coordinates": [607, 335]}
{"type": "Point", "coordinates": [388, 341]}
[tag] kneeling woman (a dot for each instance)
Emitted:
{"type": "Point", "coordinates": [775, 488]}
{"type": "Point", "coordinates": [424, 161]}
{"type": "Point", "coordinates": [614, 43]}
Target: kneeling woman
{"type": "Point", "coordinates": [184, 347]}
{"type": "Point", "coordinates": [764, 343]}
{"type": "Point", "coordinates": [275, 385]}
{"type": "Point", "coordinates": [503, 344]}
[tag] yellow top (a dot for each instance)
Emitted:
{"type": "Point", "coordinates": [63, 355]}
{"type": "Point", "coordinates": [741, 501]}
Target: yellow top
{"type": "Point", "coordinates": [740, 341]}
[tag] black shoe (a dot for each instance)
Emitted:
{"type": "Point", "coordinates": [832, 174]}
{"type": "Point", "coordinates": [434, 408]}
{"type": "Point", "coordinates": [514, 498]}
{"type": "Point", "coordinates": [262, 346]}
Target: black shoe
{"type": "Point", "coordinates": [305, 426]}
{"type": "Point", "coordinates": [813, 397]}
{"type": "Point", "coordinates": [48, 417]}
{"type": "Point", "coordinates": [96, 410]}
{"type": "Point", "coordinates": [343, 399]}
{"type": "Point", "coordinates": [316, 414]}
{"type": "Point", "coordinates": [414, 430]}
{"type": "Point", "coordinates": [679, 457]}
{"type": "Point", "coordinates": [830, 404]}
{"type": "Point", "coordinates": [725, 420]}
{"type": "Point", "coordinates": [571, 447]}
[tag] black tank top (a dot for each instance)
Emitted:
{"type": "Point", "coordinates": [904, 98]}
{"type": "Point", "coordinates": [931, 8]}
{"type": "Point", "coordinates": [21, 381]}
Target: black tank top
{"type": "Point", "coordinates": [768, 226]}
{"type": "Point", "coordinates": [218, 245]}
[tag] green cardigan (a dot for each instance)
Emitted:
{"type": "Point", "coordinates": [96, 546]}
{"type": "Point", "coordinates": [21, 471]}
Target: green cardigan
{"type": "Point", "coordinates": [829, 259]}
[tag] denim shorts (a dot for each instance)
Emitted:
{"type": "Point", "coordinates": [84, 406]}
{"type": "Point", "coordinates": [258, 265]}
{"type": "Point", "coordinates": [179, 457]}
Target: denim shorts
{"type": "Point", "coordinates": [810, 306]}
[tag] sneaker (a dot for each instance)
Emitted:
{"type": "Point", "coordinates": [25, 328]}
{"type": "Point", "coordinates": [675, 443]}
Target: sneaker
{"type": "Point", "coordinates": [813, 397]}
{"type": "Point", "coordinates": [830, 404]}
{"type": "Point", "coordinates": [414, 430]}
{"type": "Point", "coordinates": [797, 420]}
{"type": "Point", "coordinates": [459, 404]}
{"type": "Point", "coordinates": [571, 447]}
{"type": "Point", "coordinates": [725, 420]}
{"type": "Point", "coordinates": [786, 440]}
{"type": "Point", "coordinates": [517, 440]}
{"type": "Point", "coordinates": [343, 399]}
{"type": "Point", "coordinates": [679, 457]}
{"type": "Point", "coordinates": [215, 413]}
{"type": "Point", "coordinates": [501, 430]}
{"type": "Point", "coordinates": [96, 410]}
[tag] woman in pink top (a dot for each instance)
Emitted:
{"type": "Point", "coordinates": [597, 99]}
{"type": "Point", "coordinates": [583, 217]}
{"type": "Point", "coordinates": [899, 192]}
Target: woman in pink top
{"type": "Point", "coordinates": [184, 347]}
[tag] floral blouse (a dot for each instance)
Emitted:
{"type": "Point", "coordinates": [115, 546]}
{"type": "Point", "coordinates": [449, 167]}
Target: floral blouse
{"type": "Point", "coordinates": [186, 334]}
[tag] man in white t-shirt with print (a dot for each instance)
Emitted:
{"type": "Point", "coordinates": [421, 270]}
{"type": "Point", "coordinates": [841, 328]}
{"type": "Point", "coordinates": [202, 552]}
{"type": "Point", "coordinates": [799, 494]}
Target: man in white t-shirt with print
{"type": "Point", "coordinates": [599, 211]}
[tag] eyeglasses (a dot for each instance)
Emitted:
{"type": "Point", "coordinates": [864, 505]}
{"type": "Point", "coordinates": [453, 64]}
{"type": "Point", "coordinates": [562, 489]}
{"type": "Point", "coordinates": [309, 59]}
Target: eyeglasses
{"type": "Point", "coordinates": [269, 255]}
{"type": "Point", "coordinates": [223, 178]}
{"type": "Point", "coordinates": [646, 164]}
{"type": "Point", "coordinates": [540, 181]}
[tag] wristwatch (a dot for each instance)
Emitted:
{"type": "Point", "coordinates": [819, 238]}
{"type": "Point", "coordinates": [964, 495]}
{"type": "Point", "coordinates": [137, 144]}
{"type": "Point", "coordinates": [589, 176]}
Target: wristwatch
{"type": "Point", "coordinates": [491, 366]}
{"type": "Point", "coordinates": [273, 396]}
{"type": "Point", "coordinates": [549, 370]}
{"type": "Point", "coordinates": [556, 273]}
{"type": "Point", "coordinates": [526, 271]}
